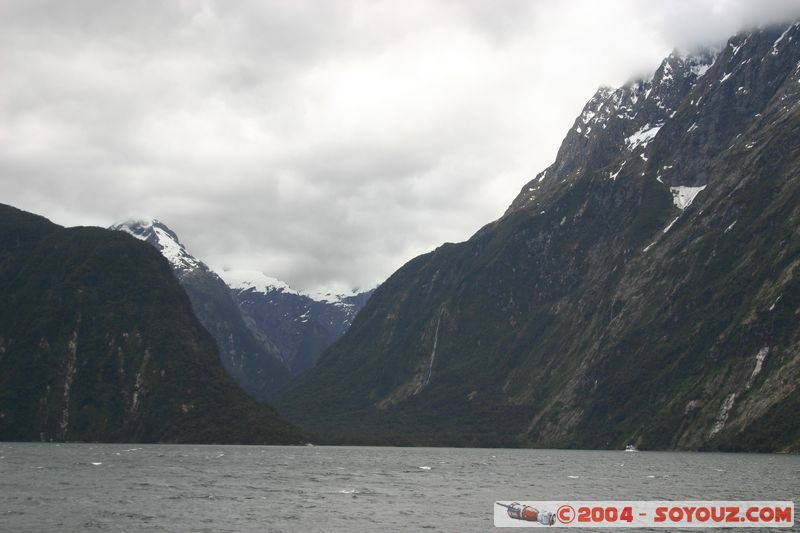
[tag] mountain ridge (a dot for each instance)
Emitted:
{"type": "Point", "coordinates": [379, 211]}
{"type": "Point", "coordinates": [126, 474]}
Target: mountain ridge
{"type": "Point", "coordinates": [301, 323]}
{"type": "Point", "coordinates": [267, 332]}
{"type": "Point", "coordinates": [252, 359]}
{"type": "Point", "coordinates": [98, 342]}
{"type": "Point", "coordinates": [616, 300]}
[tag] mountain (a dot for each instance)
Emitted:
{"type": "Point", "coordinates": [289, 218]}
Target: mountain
{"type": "Point", "coordinates": [300, 324]}
{"type": "Point", "coordinates": [644, 288]}
{"type": "Point", "coordinates": [251, 358]}
{"type": "Point", "coordinates": [266, 331]}
{"type": "Point", "coordinates": [98, 342]}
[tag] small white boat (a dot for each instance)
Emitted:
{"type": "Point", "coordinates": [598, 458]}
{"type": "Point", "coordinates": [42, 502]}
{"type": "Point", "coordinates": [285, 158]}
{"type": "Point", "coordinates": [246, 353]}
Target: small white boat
{"type": "Point", "coordinates": [631, 448]}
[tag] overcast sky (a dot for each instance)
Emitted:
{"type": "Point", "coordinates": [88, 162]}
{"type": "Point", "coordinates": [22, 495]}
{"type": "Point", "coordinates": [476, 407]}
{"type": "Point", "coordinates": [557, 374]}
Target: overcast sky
{"type": "Point", "coordinates": [325, 143]}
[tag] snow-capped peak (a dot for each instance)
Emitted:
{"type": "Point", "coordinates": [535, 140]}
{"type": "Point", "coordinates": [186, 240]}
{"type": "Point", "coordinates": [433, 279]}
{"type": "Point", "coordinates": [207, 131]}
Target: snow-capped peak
{"type": "Point", "coordinates": [138, 227]}
{"type": "Point", "coordinates": [165, 240]}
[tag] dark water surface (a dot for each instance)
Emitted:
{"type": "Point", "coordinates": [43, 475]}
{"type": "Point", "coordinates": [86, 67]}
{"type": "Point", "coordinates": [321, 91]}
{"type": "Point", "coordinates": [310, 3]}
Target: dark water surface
{"type": "Point", "coordinates": [110, 487]}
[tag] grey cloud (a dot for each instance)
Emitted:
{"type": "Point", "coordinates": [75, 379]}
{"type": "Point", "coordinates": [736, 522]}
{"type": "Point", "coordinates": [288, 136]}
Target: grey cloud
{"type": "Point", "coordinates": [689, 24]}
{"type": "Point", "coordinates": [325, 143]}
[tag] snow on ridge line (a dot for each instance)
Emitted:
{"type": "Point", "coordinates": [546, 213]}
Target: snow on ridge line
{"type": "Point", "coordinates": [143, 223]}
{"type": "Point", "coordinates": [253, 279]}
{"type": "Point", "coordinates": [168, 244]}
{"type": "Point", "coordinates": [608, 102]}
{"type": "Point", "coordinates": [683, 196]}
{"type": "Point", "coordinates": [170, 247]}
{"type": "Point", "coordinates": [778, 41]}
{"type": "Point", "coordinates": [260, 282]}
{"type": "Point", "coordinates": [128, 224]}
{"type": "Point", "coordinates": [173, 250]}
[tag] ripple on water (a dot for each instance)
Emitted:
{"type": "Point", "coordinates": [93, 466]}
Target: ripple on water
{"type": "Point", "coordinates": [173, 488]}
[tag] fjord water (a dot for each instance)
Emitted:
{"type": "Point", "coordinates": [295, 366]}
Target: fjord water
{"type": "Point", "coordinates": [112, 487]}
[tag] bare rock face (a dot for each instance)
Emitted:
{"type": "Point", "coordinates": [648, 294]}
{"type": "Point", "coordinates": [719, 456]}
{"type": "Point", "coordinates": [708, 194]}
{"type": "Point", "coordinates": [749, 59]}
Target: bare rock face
{"type": "Point", "coordinates": [644, 288]}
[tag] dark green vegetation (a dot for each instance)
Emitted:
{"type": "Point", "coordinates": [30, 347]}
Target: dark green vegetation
{"type": "Point", "coordinates": [98, 342]}
{"type": "Point", "coordinates": [597, 312]}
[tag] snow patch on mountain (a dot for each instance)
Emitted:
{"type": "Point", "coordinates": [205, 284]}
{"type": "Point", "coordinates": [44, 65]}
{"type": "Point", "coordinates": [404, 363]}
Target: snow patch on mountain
{"type": "Point", "coordinates": [174, 251]}
{"type": "Point", "coordinates": [643, 136]}
{"type": "Point", "coordinates": [700, 69]}
{"type": "Point", "coordinates": [669, 226]}
{"type": "Point", "coordinates": [683, 196]}
{"type": "Point", "coordinates": [613, 175]}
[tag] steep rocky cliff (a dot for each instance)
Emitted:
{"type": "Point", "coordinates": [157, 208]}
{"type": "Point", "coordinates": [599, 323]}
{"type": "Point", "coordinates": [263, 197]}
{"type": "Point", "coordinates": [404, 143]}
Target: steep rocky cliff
{"type": "Point", "coordinates": [643, 288]}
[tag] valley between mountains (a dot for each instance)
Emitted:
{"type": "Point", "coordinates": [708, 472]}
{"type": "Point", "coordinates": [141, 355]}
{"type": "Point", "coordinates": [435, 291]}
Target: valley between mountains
{"type": "Point", "coordinates": [644, 288]}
